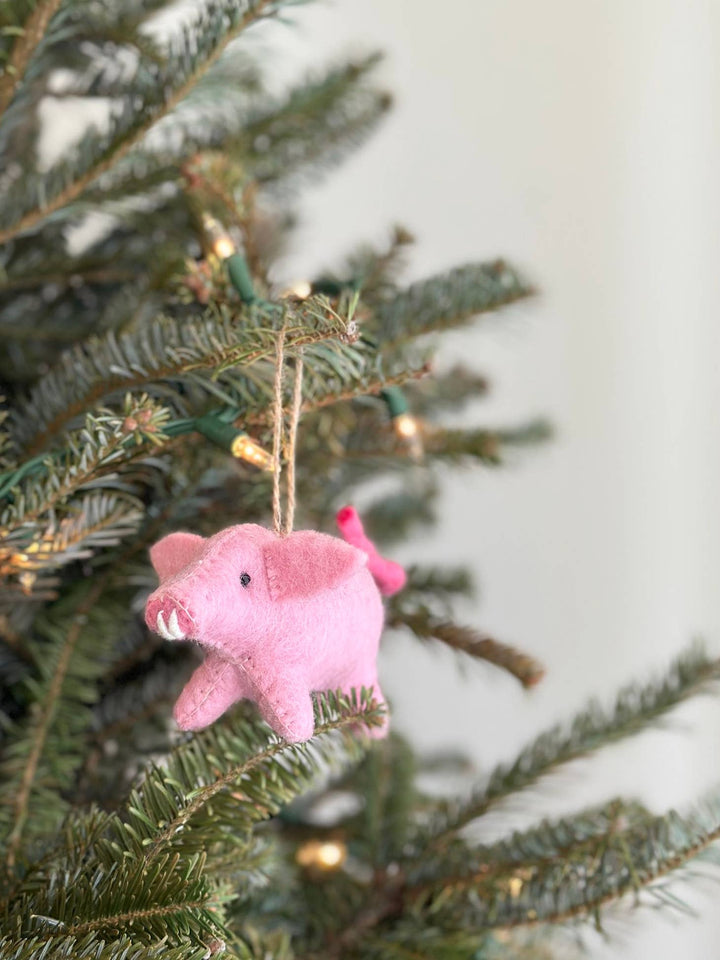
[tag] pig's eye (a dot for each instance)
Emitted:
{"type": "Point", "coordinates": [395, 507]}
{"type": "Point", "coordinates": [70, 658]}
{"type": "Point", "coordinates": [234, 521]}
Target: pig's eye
{"type": "Point", "coordinates": [245, 579]}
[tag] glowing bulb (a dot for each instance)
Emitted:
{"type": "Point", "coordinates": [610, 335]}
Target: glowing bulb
{"type": "Point", "coordinates": [246, 449]}
{"type": "Point", "coordinates": [301, 290]}
{"type": "Point", "coordinates": [515, 886]}
{"type": "Point", "coordinates": [223, 247]}
{"type": "Point", "coordinates": [221, 241]}
{"type": "Point", "coordinates": [324, 855]}
{"type": "Point", "coordinates": [406, 426]}
{"type": "Point", "coordinates": [330, 855]}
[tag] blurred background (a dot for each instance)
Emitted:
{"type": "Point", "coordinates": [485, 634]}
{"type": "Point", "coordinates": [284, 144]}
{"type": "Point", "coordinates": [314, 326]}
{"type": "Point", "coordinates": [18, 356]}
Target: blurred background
{"type": "Point", "coordinates": [582, 141]}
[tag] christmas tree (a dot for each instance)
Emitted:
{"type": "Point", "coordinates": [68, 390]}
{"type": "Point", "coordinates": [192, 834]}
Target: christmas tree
{"type": "Point", "coordinates": [156, 379]}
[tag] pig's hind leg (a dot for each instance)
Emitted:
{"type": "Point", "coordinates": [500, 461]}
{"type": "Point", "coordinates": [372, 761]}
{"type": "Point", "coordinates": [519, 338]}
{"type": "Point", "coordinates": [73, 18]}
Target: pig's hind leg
{"type": "Point", "coordinates": [285, 704]}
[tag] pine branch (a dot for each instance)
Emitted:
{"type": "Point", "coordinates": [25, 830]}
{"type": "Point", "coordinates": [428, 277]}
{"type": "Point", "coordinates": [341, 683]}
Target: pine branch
{"type": "Point", "coordinates": [220, 124]}
{"type": "Point", "coordinates": [169, 899]}
{"type": "Point", "coordinates": [513, 859]}
{"type": "Point", "coordinates": [96, 521]}
{"type": "Point", "coordinates": [467, 640]}
{"type": "Point", "coordinates": [318, 123]}
{"type": "Point", "coordinates": [44, 750]}
{"type": "Point", "coordinates": [43, 526]}
{"type": "Point", "coordinates": [224, 23]}
{"type": "Point", "coordinates": [246, 777]}
{"type": "Point", "coordinates": [584, 877]}
{"type": "Point", "coordinates": [448, 300]}
{"type": "Point", "coordinates": [147, 874]}
{"type": "Point", "coordinates": [636, 708]}
{"type": "Point", "coordinates": [166, 350]}
{"type": "Point", "coordinates": [486, 446]}
{"type": "Point", "coordinates": [392, 518]}
{"type": "Point", "coordinates": [90, 948]}
{"type": "Point", "coordinates": [386, 781]}
{"type": "Point", "coordinates": [451, 390]}
{"type": "Point", "coordinates": [23, 49]}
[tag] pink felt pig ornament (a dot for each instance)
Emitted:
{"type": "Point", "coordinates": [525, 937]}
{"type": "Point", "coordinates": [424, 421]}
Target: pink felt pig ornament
{"type": "Point", "coordinates": [279, 618]}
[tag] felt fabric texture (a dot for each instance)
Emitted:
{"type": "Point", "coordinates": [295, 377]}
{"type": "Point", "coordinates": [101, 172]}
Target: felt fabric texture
{"type": "Point", "coordinates": [279, 618]}
{"type": "Point", "coordinates": [389, 576]}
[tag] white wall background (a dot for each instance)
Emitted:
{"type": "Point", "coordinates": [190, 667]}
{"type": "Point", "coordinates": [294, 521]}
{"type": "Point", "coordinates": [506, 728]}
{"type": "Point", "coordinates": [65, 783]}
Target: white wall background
{"type": "Point", "coordinates": [582, 140]}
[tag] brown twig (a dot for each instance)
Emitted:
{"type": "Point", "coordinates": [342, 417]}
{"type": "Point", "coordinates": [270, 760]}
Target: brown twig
{"type": "Point", "coordinates": [520, 665]}
{"type": "Point", "coordinates": [23, 49]}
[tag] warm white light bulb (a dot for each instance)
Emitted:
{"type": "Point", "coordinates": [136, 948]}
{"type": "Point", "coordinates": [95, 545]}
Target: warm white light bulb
{"type": "Point", "coordinates": [302, 289]}
{"type": "Point", "coordinates": [330, 855]}
{"type": "Point", "coordinates": [246, 449]}
{"type": "Point", "coordinates": [405, 425]}
{"type": "Point", "coordinates": [223, 247]}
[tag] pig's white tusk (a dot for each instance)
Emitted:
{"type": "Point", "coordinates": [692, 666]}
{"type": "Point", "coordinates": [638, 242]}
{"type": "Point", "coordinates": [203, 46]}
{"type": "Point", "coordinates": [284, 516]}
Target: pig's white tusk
{"type": "Point", "coordinates": [173, 627]}
{"type": "Point", "coordinates": [162, 629]}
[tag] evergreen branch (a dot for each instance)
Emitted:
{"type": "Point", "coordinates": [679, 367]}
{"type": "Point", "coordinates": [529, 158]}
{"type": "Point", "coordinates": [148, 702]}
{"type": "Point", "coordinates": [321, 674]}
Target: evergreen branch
{"type": "Point", "coordinates": [237, 754]}
{"type": "Point", "coordinates": [45, 749]}
{"type": "Point", "coordinates": [100, 443]}
{"type": "Point", "coordinates": [89, 948]}
{"type": "Point", "coordinates": [120, 921]}
{"type": "Point", "coordinates": [97, 520]}
{"type": "Point", "coordinates": [367, 387]}
{"type": "Point", "coordinates": [122, 145]}
{"type": "Point", "coordinates": [636, 708]}
{"type": "Point", "coordinates": [165, 350]}
{"type": "Point", "coordinates": [581, 880]}
{"type": "Point", "coordinates": [514, 859]}
{"type": "Point", "coordinates": [317, 124]}
{"type": "Point", "coordinates": [448, 300]}
{"type": "Point", "coordinates": [450, 390]}
{"type": "Point", "coordinates": [455, 446]}
{"type": "Point", "coordinates": [169, 899]}
{"type": "Point", "coordinates": [386, 781]}
{"type": "Point", "coordinates": [40, 724]}
{"type": "Point", "coordinates": [23, 49]}
{"type": "Point", "coordinates": [467, 640]}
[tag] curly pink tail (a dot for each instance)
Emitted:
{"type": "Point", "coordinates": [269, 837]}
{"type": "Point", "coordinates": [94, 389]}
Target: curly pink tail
{"type": "Point", "coordinates": [389, 577]}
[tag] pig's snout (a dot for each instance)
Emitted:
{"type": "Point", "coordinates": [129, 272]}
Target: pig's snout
{"type": "Point", "coordinates": [169, 618]}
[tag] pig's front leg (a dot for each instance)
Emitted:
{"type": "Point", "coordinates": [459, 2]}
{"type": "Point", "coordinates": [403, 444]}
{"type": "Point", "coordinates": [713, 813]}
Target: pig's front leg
{"type": "Point", "coordinates": [286, 705]}
{"type": "Point", "coordinates": [215, 686]}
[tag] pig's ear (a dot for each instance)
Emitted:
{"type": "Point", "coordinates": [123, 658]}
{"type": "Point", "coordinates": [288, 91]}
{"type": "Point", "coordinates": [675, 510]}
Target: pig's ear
{"type": "Point", "coordinates": [169, 555]}
{"type": "Point", "coordinates": [306, 563]}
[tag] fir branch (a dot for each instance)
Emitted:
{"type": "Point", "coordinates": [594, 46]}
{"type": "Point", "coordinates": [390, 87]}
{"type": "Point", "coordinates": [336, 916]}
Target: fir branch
{"type": "Point", "coordinates": [43, 751]}
{"type": "Point", "coordinates": [583, 878]}
{"type": "Point", "coordinates": [636, 708]}
{"type": "Point", "coordinates": [467, 640]}
{"type": "Point", "coordinates": [169, 899]}
{"type": "Point", "coordinates": [386, 781]}
{"type": "Point", "coordinates": [364, 388]}
{"type": "Point", "coordinates": [235, 754]}
{"type": "Point", "coordinates": [220, 15]}
{"type": "Point", "coordinates": [317, 124]}
{"type": "Point", "coordinates": [23, 49]}
{"type": "Point", "coordinates": [451, 390]}
{"type": "Point", "coordinates": [514, 858]}
{"type": "Point", "coordinates": [90, 948]}
{"type": "Point", "coordinates": [448, 300]}
{"type": "Point", "coordinates": [486, 446]}
{"type": "Point", "coordinates": [392, 518]}
{"type": "Point", "coordinates": [97, 520]}
{"type": "Point", "coordinates": [165, 350]}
